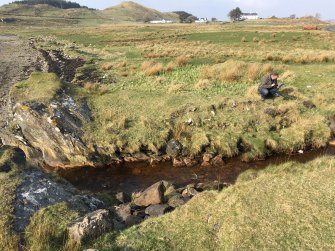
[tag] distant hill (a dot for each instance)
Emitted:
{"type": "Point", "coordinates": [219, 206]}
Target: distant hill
{"type": "Point", "coordinates": [125, 12]}
{"type": "Point", "coordinates": [133, 12]}
{"type": "Point", "coordinates": [46, 10]}
{"type": "Point", "coordinates": [55, 3]}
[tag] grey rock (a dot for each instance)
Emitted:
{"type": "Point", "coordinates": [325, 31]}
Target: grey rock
{"type": "Point", "coordinates": [169, 190]}
{"type": "Point", "coordinates": [90, 226]}
{"type": "Point", "coordinates": [38, 190]}
{"type": "Point", "coordinates": [157, 210]}
{"type": "Point", "coordinates": [133, 220]}
{"type": "Point", "coordinates": [151, 196]}
{"type": "Point", "coordinates": [174, 148]}
{"type": "Point", "coordinates": [190, 191]}
{"type": "Point", "coordinates": [123, 197]}
{"type": "Point", "coordinates": [176, 201]}
{"type": "Point", "coordinates": [56, 132]}
{"type": "Point", "coordinates": [139, 213]}
{"type": "Point", "coordinates": [123, 212]}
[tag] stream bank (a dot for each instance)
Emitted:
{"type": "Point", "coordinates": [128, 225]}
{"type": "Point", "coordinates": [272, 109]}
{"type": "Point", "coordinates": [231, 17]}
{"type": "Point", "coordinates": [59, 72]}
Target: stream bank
{"type": "Point", "coordinates": [133, 177]}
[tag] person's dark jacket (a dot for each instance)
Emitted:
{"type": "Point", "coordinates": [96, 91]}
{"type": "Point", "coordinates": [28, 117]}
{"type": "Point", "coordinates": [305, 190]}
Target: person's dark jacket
{"type": "Point", "coordinates": [267, 82]}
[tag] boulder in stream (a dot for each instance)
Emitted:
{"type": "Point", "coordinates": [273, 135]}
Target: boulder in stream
{"type": "Point", "coordinates": [151, 196]}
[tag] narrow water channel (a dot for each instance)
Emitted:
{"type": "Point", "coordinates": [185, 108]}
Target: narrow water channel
{"type": "Point", "coordinates": [131, 177]}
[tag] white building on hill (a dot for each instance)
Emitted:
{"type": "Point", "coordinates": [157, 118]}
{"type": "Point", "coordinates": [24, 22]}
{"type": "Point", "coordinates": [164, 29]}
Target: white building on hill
{"type": "Point", "coordinates": [202, 20]}
{"type": "Point", "coordinates": [163, 21]}
{"type": "Point", "coordinates": [249, 16]}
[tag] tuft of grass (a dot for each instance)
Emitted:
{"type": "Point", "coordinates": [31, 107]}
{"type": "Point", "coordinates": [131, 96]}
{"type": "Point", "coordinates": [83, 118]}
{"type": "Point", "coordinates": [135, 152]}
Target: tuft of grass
{"type": "Point", "coordinates": [288, 76]}
{"type": "Point", "coordinates": [150, 68]}
{"type": "Point", "coordinates": [176, 87]}
{"type": "Point", "coordinates": [96, 88]}
{"type": "Point", "coordinates": [170, 67]}
{"type": "Point", "coordinates": [41, 87]}
{"type": "Point", "coordinates": [233, 71]}
{"type": "Point", "coordinates": [181, 61]}
{"type": "Point", "coordinates": [253, 72]}
{"type": "Point", "coordinates": [107, 66]}
{"type": "Point", "coordinates": [47, 229]}
{"type": "Point", "coordinates": [203, 84]}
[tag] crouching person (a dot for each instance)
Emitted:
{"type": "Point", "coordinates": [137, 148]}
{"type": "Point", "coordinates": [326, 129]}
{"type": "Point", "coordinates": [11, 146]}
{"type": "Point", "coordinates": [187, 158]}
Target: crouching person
{"type": "Point", "coordinates": [269, 87]}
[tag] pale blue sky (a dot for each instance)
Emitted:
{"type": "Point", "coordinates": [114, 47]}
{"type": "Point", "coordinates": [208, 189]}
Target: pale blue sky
{"type": "Point", "coordinates": [220, 8]}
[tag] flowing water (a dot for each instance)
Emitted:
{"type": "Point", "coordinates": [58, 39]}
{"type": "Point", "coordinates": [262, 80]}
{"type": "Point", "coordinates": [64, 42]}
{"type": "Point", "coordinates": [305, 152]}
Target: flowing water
{"type": "Point", "coordinates": [131, 177]}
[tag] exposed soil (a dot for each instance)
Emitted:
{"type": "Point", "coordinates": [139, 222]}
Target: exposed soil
{"type": "Point", "coordinates": [18, 59]}
{"type": "Point", "coordinates": [131, 177]}
{"type": "Point", "coordinates": [64, 67]}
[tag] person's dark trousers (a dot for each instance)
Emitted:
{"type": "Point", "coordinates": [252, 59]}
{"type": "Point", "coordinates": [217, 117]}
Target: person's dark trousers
{"type": "Point", "coordinates": [269, 93]}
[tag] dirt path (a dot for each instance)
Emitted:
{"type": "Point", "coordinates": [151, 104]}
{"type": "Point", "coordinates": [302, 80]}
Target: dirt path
{"type": "Point", "coordinates": [18, 59]}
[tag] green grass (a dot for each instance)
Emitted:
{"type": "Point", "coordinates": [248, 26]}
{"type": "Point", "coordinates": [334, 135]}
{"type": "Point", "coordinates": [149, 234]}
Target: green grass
{"type": "Point", "coordinates": [8, 184]}
{"type": "Point", "coordinates": [135, 111]}
{"type": "Point", "coordinates": [40, 87]}
{"type": "Point", "coordinates": [289, 206]}
{"type": "Point", "coordinates": [47, 228]}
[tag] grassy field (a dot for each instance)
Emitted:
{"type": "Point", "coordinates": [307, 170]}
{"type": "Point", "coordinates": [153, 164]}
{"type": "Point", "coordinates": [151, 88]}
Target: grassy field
{"type": "Point", "coordinates": [198, 84]}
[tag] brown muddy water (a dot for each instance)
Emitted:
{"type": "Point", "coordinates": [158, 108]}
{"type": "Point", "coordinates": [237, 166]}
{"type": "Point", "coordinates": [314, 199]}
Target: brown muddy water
{"type": "Point", "coordinates": [131, 177]}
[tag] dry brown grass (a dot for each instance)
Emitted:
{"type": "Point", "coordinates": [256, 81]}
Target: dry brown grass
{"type": "Point", "coordinates": [232, 74]}
{"type": "Point", "coordinates": [122, 64]}
{"type": "Point", "coordinates": [170, 67]}
{"type": "Point", "coordinates": [288, 76]}
{"type": "Point", "coordinates": [96, 88]}
{"type": "Point", "coordinates": [269, 57]}
{"type": "Point", "coordinates": [233, 71]}
{"type": "Point", "coordinates": [252, 92]}
{"type": "Point", "coordinates": [302, 56]}
{"type": "Point", "coordinates": [181, 61]}
{"type": "Point", "coordinates": [151, 68]}
{"type": "Point", "coordinates": [122, 122]}
{"type": "Point", "coordinates": [267, 68]}
{"type": "Point", "coordinates": [107, 66]}
{"type": "Point", "coordinates": [203, 84]}
{"type": "Point", "coordinates": [176, 87]}
{"type": "Point", "coordinates": [180, 128]}
{"type": "Point", "coordinates": [253, 72]}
